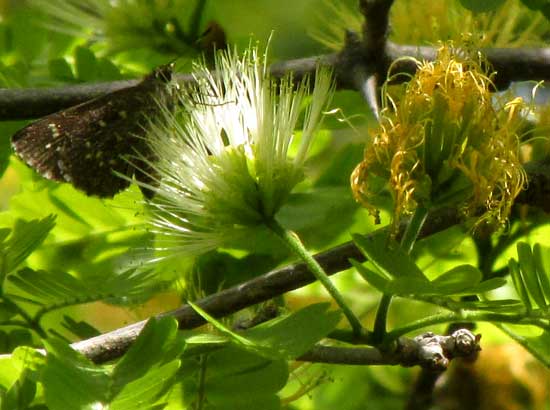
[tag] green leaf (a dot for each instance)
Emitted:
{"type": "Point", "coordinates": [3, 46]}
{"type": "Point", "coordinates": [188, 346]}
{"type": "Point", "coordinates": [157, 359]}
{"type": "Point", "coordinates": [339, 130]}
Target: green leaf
{"type": "Point", "coordinates": [107, 70]}
{"type": "Point", "coordinates": [501, 306]}
{"type": "Point", "coordinates": [234, 378]}
{"type": "Point", "coordinates": [157, 344]}
{"type": "Point", "coordinates": [465, 280]}
{"type": "Point", "coordinates": [30, 43]}
{"type": "Point", "coordinates": [341, 166]}
{"type": "Point", "coordinates": [530, 274]}
{"type": "Point", "coordinates": [144, 392]}
{"type": "Point", "coordinates": [29, 359]}
{"type": "Point", "coordinates": [241, 341]}
{"type": "Point", "coordinates": [20, 395]}
{"type": "Point", "coordinates": [207, 268]}
{"type": "Point", "coordinates": [459, 277]}
{"type": "Point", "coordinates": [461, 280]}
{"type": "Point", "coordinates": [479, 6]}
{"type": "Point", "coordinates": [410, 287]}
{"type": "Point", "coordinates": [86, 64]}
{"type": "Point", "coordinates": [543, 272]}
{"type": "Point", "coordinates": [387, 256]}
{"type": "Point", "coordinates": [7, 311]}
{"type": "Point", "coordinates": [91, 235]}
{"type": "Point", "coordinates": [60, 69]}
{"type": "Point", "coordinates": [373, 278]}
{"type": "Point", "coordinates": [517, 280]}
{"type": "Point", "coordinates": [137, 382]}
{"type": "Point", "coordinates": [293, 335]}
{"type": "Point", "coordinates": [49, 290]}
{"type": "Point", "coordinates": [147, 370]}
{"type": "Point", "coordinates": [204, 343]}
{"type": "Point", "coordinates": [404, 286]}
{"type": "Point", "coordinates": [10, 371]}
{"type": "Point", "coordinates": [24, 239]}
{"type": "Point", "coordinates": [485, 286]}
{"type": "Point", "coordinates": [399, 275]}
{"type": "Point", "coordinates": [10, 339]}
{"type": "Point", "coordinates": [322, 215]}
{"type": "Point", "coordinates": [71, 381]}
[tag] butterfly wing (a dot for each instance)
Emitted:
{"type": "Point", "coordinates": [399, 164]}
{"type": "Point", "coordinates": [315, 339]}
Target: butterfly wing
{"type": "Point", "coordinates": [89, 144]}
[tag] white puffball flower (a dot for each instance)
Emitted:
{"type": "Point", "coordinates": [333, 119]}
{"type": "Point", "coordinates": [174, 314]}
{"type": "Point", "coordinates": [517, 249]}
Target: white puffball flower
{"type": "Point", "coordinates": [222, 157]}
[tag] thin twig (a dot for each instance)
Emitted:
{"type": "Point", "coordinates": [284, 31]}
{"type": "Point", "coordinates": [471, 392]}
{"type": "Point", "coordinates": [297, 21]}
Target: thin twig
{"type": "Point", "coordinates": [428, 350]}
{"type": "Point", "coordinates": [511, 65]}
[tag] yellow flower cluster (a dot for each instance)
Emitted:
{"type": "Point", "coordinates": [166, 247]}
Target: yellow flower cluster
{"type": "Point", "coordinates": [445, 142]}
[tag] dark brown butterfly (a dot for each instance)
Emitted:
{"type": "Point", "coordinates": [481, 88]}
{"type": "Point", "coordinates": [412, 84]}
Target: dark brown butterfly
{"type": "Point", "coordinates": [88, 145]}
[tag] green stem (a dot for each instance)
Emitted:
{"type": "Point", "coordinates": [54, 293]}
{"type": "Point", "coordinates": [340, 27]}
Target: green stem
{"type": "Point", "coordinates": [32, 323]}
{"type": "Point", "coordinates": [381, 318]}
{"type": "Point", "coordinates": [202, 382]}
{"type": "Point", "coordinates": [407, 242]}
{"type": "Point", "coordinates": [294, 243]}
{"type": "Point", "coordinates": [195, 20]}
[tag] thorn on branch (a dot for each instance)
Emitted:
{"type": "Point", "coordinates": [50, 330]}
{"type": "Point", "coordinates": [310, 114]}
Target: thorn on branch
{"type": "Point", "coordinates": [365, 60]}
{"type": "Point", "coordinates": [369, 90]}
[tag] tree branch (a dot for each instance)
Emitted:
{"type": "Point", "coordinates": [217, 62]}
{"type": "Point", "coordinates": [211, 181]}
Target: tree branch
{"type": "Point", "coordinates": [430, 351]}
{"type": "Point", "coordinates": [511, 65]}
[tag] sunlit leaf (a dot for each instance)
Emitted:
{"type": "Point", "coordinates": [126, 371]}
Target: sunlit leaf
{"type": "Point", "coordinates": [49, 290]}
{"type": "Point", "coordinates": [387, 256]}
{"type": "Point", "coordinates": [514, 268]}
{"type": "Point", "coordinates": [24, 239]}
{"type": "Point", "coordinates": [293, 335]}
{"type": "Point", "coordinates": [237, 338]}
{"type": "Point", "coordinates": [71, 381]}
{"type": "Point", "coordinates": [91, 235]}
{"type": "Point", "coordinates": [529, 274]}
{"type": "Point", "coordinates": [29, 359]}
{"type": "Point", "coordinates": [502, 305]}
{"type": "Point", "coordinates": [196, 344]}
{"type": "Point", "coordinates": [20, 394]}
{"type": "Point", "coordinates": [375, 279]}
{"type": "Point", "coordinates": [234, 378]}
{"type": "Point", "coordinates": [461, 280]}
{"type": "Point", "coordinates": [543, 272]}
{"type": "Point", "coordinates": [141, 377]}
{"type": "Point", "coordinates": [462, 276]}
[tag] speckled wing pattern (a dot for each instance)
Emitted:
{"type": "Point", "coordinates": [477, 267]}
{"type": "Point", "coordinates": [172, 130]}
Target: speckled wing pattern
{"type": "Point", "coordinates": [89, 144]}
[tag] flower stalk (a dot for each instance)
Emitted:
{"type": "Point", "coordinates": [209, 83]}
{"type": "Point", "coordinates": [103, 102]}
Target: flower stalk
{"type": "Point", "coordinates": [295, 244]}
{"type": "Point", "coordinates": [408, 240]}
